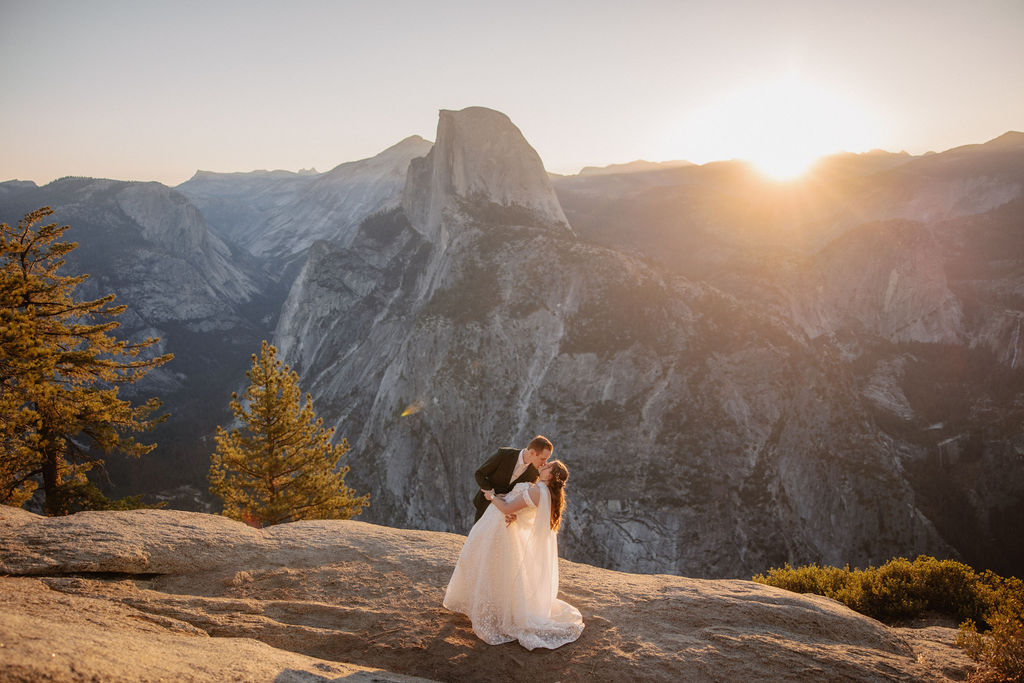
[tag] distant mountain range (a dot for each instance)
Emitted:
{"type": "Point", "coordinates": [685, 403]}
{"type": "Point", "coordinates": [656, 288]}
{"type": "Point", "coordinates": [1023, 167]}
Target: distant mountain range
{"type": "Point", "coordinates": [639, 166]}
{"type": "Point", "coordinates": [279, 214]}
{"type": "Point", "coordinates": [737, 372]}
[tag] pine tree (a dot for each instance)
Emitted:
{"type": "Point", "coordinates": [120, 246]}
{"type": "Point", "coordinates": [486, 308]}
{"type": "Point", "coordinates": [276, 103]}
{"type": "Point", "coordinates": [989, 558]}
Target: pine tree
{"type": "Point", "coordinates": [285, 467]}
{"type": "Point", "coordinates": [60, 373]}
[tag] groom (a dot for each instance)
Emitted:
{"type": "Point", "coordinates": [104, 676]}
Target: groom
{"type": "Point", "coordinates": [508, 467]}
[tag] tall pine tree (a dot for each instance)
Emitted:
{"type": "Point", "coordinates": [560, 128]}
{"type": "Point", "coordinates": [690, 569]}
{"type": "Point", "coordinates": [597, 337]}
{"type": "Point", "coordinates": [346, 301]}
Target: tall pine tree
{"type": "Point", "coordinates": [284, 468]}
{"type": "Point", "coordinates": [60, 373]}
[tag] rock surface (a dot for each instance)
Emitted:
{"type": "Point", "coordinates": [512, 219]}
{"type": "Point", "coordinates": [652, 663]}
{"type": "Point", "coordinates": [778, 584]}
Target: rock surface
{"type": "Point", "coordinates": [238, 205]}
{"type": "Point", "coordinates": [151, 594]}
{"type": "Point", "coordinates": [152, 244]}
{"type": "Point", "coordinates": [295, 210]}
{"type": "Point", "coordinates": [480, 157]}
{"type": "Point", "coordinates": [50, 633]}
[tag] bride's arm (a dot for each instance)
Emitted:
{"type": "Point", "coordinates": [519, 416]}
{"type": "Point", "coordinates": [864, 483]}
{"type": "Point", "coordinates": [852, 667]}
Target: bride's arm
{"type": "Point", "coordinates": [508, 508]}
{"type": "Point", "coordinates": [518, 504]}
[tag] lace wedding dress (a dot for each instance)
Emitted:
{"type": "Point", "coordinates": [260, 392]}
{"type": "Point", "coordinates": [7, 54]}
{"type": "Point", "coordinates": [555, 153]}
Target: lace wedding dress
{"type": "Point", "coordinates": [506, 579]}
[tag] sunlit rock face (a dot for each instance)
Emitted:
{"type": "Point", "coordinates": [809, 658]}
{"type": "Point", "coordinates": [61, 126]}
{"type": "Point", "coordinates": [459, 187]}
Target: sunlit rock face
{"type": "Point", "coordinates": [285, 213]}
{"type": "Point", "coordinates": [480, 158]}
{"type": "Point", "coordinates": [775, 410]}
{"type": "Point", "coordinates": [884, 280]}
{"type": "Point", "coordinates": [921, 317]}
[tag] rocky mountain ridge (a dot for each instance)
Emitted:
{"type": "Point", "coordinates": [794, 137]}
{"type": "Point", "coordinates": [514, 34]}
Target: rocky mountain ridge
{"type": "Point", "coordinates": [739, 373]}
{"type": "Point", "coordinates": [295, 210]}
{"type": "Point", "coordinates": [638, 166]}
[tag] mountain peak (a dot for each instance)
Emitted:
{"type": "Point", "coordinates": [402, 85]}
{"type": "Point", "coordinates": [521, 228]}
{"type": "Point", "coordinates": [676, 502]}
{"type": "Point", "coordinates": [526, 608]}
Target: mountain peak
{"type": "Point", "coordinates": [412, 146]}
{"type": "Point", "coordinates": [394, 159]}
{"type": "Point", "coordinates": [480, 156]}
{"type": "Point", "coordinates": [1010, 138]}
{"type": "Point", "coordinates": [13, 187]}
{"type": "Point", "coordinates": [411, 140]}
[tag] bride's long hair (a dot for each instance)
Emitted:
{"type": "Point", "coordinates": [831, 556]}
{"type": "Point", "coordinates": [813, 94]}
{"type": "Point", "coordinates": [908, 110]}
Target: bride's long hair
{"type": "Point", "coordinates": [559, 475]}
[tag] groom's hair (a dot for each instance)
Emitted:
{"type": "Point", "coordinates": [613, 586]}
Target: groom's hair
{"type": "Point", "coordinates": [540, 443]}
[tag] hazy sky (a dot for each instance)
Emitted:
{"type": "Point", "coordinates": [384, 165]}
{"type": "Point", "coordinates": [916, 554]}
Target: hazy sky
{"type": "Point", "coordinates": [150, 90]}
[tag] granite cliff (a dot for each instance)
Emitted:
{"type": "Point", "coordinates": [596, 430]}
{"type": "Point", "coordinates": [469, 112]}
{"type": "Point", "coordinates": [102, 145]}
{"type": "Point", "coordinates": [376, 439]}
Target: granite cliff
{"type": "Point", "coordinates": [278, 215]}
{"type": "Point", "coordinates": [480, 158]}
{"type": "Point", "coordinates": [914, 297]}
{"type": "Point", "coordinates": [739, 373]}
{"type": "Point", "coordinates": [716, 421]}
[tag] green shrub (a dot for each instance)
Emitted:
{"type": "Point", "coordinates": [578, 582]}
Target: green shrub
{"type": "Point", "coordinates": [827, 581]}
{"type": "Point", "coordinates": [1000, 650]}
{"type": "Point", "coordinates": [989, 606]}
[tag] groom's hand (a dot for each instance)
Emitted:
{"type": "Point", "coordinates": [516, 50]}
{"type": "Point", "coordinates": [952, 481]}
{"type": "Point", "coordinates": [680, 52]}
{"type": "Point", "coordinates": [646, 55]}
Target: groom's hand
{"type": "Point", "coordinates": [509, 518]}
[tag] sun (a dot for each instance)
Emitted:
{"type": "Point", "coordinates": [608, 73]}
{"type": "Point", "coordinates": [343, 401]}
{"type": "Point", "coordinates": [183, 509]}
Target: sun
{"type": "Point", "coordinates": [781, 126]}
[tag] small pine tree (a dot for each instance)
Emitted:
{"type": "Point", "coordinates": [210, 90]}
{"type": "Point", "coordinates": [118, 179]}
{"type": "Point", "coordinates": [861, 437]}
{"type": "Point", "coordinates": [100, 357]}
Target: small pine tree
{"type": "Point", "coordinates": [284, 468]}
{"type": "Point", "coordinates": [60, 373]}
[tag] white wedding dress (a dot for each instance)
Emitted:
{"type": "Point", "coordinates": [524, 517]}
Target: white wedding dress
{"type": "Point", "coordinates": [506, 579]}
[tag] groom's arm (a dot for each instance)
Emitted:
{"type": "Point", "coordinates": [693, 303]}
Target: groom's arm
{"type": "Point", "coordinates": [483, 475]}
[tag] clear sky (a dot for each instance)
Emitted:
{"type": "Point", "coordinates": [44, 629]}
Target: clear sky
{"type": "Point", "coordinates": [153, 90]}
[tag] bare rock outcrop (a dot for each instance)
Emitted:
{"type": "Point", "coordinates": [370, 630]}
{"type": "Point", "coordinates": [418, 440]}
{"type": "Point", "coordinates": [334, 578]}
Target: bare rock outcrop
{"type": "Point", "coordinates": [151, 594]}
{"type": "Point", "coordinates": [56, 635]}
{"type": "Point", "coordinates": [480, 157]}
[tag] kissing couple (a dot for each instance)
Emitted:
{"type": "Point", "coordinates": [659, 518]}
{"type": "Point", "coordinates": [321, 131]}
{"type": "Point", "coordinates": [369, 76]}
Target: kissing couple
{"type": "Point", "coordinates": [506, 578]}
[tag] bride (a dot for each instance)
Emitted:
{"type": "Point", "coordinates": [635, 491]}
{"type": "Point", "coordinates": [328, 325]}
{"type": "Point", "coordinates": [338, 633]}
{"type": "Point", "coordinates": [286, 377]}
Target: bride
{"type": "Point", "coordinates": [506, 579]}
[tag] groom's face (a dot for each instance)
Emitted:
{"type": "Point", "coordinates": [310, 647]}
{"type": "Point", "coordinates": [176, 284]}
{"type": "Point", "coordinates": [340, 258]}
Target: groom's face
{"type": "Point", "coordinates": [538, 458]}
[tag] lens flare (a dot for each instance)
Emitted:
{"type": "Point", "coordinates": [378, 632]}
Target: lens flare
{"type": "Point", "coordinates": [412, 408]}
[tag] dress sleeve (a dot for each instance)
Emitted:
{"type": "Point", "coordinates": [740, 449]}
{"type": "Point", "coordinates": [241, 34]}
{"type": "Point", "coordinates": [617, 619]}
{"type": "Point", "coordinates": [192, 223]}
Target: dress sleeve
{"type": "Point", "coordinates": [521, 491]}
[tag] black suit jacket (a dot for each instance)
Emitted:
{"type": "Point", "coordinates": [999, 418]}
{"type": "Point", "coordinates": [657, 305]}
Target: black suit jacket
{"type": "Point", "coordinates": [495, 474]}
